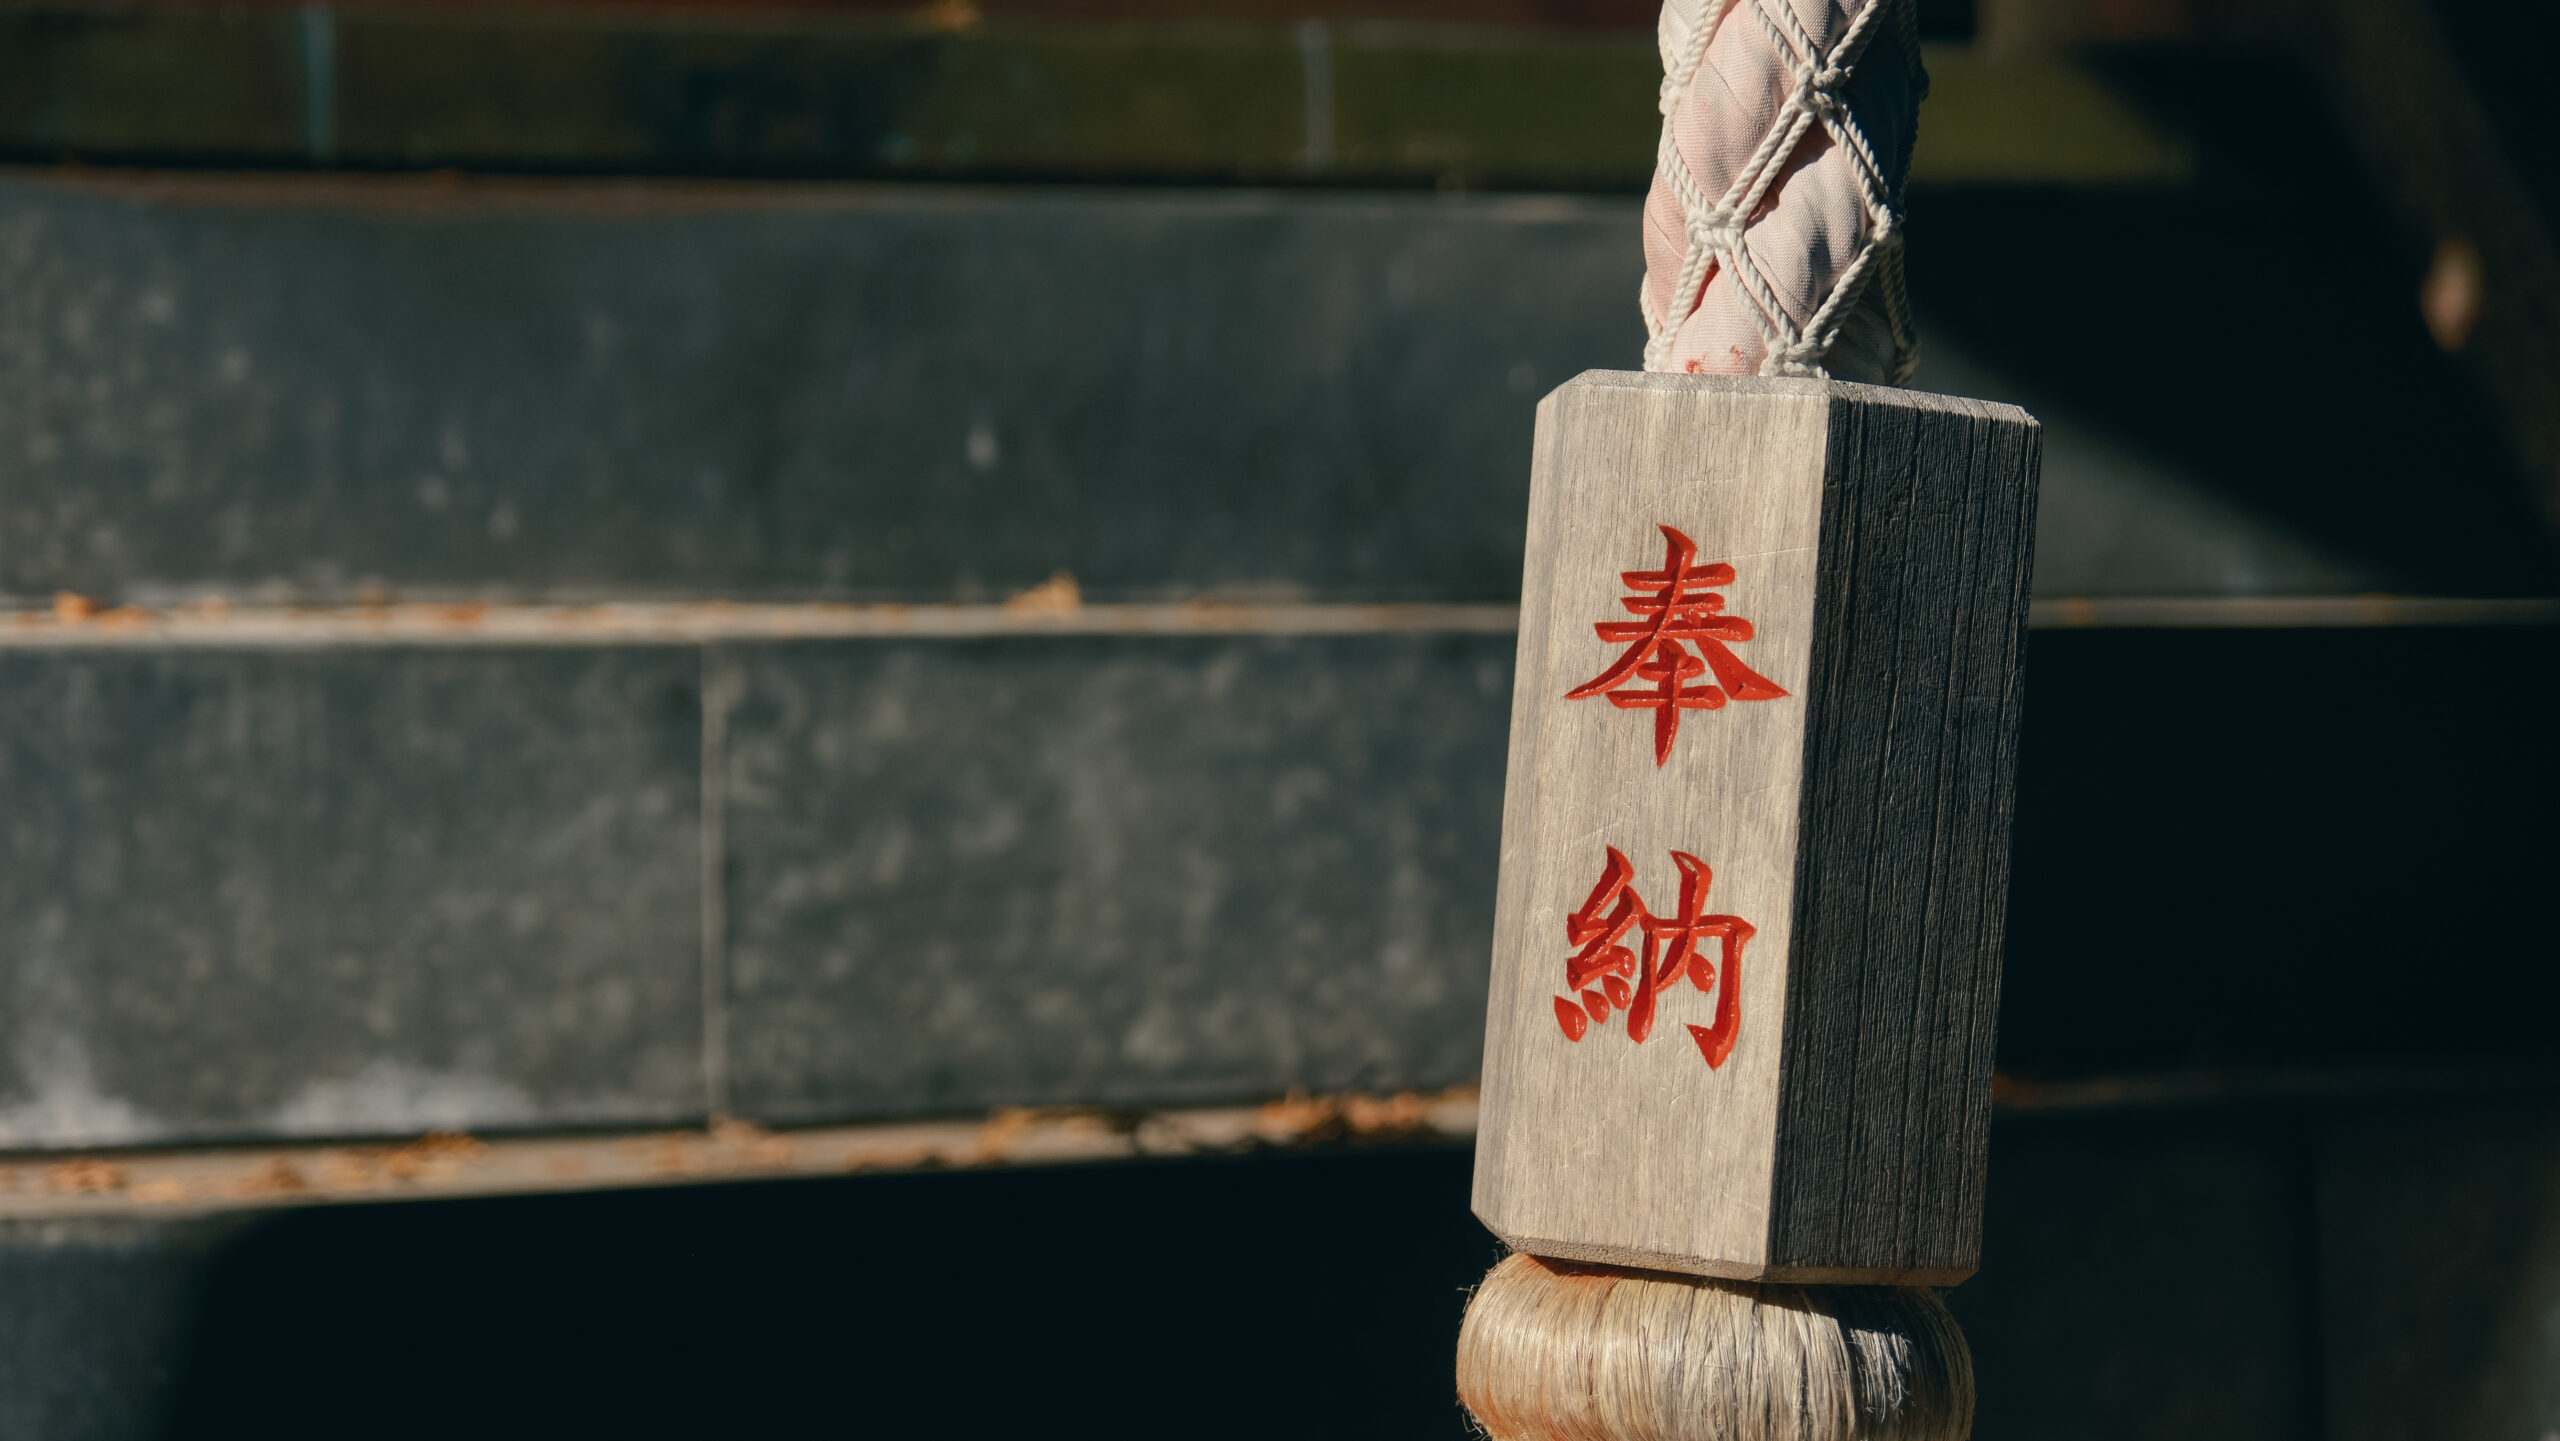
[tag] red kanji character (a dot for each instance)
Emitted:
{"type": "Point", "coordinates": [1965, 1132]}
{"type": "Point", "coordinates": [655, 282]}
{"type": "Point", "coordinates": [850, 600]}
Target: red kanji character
{"type": "Point", "coordinates": [1598, 937]}
{"type": "Point", "coordinates": [1679, 604]}
{"type": "Point", "coordinates": [1670, 952]}
{"type": "Point", "coordinates": [1680, 934]}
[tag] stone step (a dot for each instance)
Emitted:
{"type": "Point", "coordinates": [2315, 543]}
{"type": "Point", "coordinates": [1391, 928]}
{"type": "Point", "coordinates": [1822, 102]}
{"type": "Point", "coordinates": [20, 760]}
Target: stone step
{"type": "Point", "coordinates": [260, 891]}
{"type": "Point", "coordinates": [334, 391]}
{"type": "Point", "coordinates": [372, 889]}
{"type": "Point", "coordinates": [320, 392]}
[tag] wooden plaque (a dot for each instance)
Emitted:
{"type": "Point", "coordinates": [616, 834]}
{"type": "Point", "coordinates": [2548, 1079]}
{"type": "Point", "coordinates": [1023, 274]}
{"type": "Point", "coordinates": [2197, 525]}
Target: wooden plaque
{"type": "Point", "coordinates": [1755, 843]}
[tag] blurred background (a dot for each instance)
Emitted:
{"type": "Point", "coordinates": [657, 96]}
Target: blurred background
{"type": "Point", "coordinates": [788, 719]}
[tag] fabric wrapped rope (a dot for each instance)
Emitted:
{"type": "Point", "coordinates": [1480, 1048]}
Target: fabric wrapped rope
{"type": "Point", "coordinates": [1772, 234]}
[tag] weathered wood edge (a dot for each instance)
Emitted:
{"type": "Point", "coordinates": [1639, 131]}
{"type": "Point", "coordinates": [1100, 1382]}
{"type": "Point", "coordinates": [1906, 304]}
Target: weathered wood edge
{"type": "Point", "coordinates": [1519, 792]}
{"type": "Point", "coordinates": [1927, 531]}
{"type": "Point", "coordinates": [1877, 395]}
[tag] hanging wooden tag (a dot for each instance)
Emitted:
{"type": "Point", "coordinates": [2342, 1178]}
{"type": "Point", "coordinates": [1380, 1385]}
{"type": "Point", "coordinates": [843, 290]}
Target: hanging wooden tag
{"type": "Point", "coordinates": [1755, 842]}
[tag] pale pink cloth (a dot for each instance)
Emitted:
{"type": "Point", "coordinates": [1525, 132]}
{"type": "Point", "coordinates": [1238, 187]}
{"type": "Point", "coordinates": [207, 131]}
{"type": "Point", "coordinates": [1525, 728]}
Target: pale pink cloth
{"type": "Point", "coordinates": [1814, 218]}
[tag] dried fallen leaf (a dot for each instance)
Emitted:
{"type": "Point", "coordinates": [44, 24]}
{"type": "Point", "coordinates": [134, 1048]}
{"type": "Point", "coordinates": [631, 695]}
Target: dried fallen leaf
{"type": "Point", "coordinates": [1002, 1132]}
{"type": "Point", "coordinates": [81, 1175]}
{"type": "Point", "coordinates": [676, 1155]}
{"type": "Point", "coordinates": [1300, 1117]}
{"type": "Point", "coordinates": [276, 1178]}
{"type": "Point", "coordinates": [347, 1169]}
{"type": "Point", "coordinates": [1058, 595]}
{"type": "Point", "coordinates": [761, 1147]}
{"type": "Point", "coordinates": [432, 1156]}
{"type": "Point", "coordinates": [1369, 1115]}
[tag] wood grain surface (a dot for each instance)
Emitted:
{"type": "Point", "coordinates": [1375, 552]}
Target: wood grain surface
{"type": "Point", "coordinates": [1826, 1120]}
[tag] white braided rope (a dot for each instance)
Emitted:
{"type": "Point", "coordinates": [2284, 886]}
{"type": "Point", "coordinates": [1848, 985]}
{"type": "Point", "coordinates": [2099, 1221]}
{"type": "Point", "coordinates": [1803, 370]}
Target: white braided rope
{"type": "Point", "coordinates": [1774, 230]}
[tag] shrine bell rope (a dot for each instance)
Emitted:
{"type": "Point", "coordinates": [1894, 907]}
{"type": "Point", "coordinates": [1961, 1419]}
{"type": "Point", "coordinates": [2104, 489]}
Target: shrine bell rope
{"type": "Point", "coordinates": [1773, 233]}
{"type": "Point", "coordinates": [1744, 1244]}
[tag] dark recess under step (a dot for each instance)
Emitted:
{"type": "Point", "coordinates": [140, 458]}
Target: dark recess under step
{"type": "Point", "coordinates": [2231, 1274]}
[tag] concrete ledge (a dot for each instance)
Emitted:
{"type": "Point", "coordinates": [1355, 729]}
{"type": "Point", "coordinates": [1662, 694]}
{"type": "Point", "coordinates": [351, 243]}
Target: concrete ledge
{"type": "Point", "coordinates": [450, 1165]}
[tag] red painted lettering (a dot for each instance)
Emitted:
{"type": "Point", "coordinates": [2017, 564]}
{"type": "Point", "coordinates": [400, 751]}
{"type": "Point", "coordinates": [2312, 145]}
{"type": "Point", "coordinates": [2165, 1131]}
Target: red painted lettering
{"type": "Point", "coordinates": [1634, 979]}
{"type": "Point", "coordinates": [1676, 609]}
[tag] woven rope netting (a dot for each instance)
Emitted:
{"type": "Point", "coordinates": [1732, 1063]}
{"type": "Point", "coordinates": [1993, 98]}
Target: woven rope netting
{"type": "Point", "coordinates": [1773, 234]}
